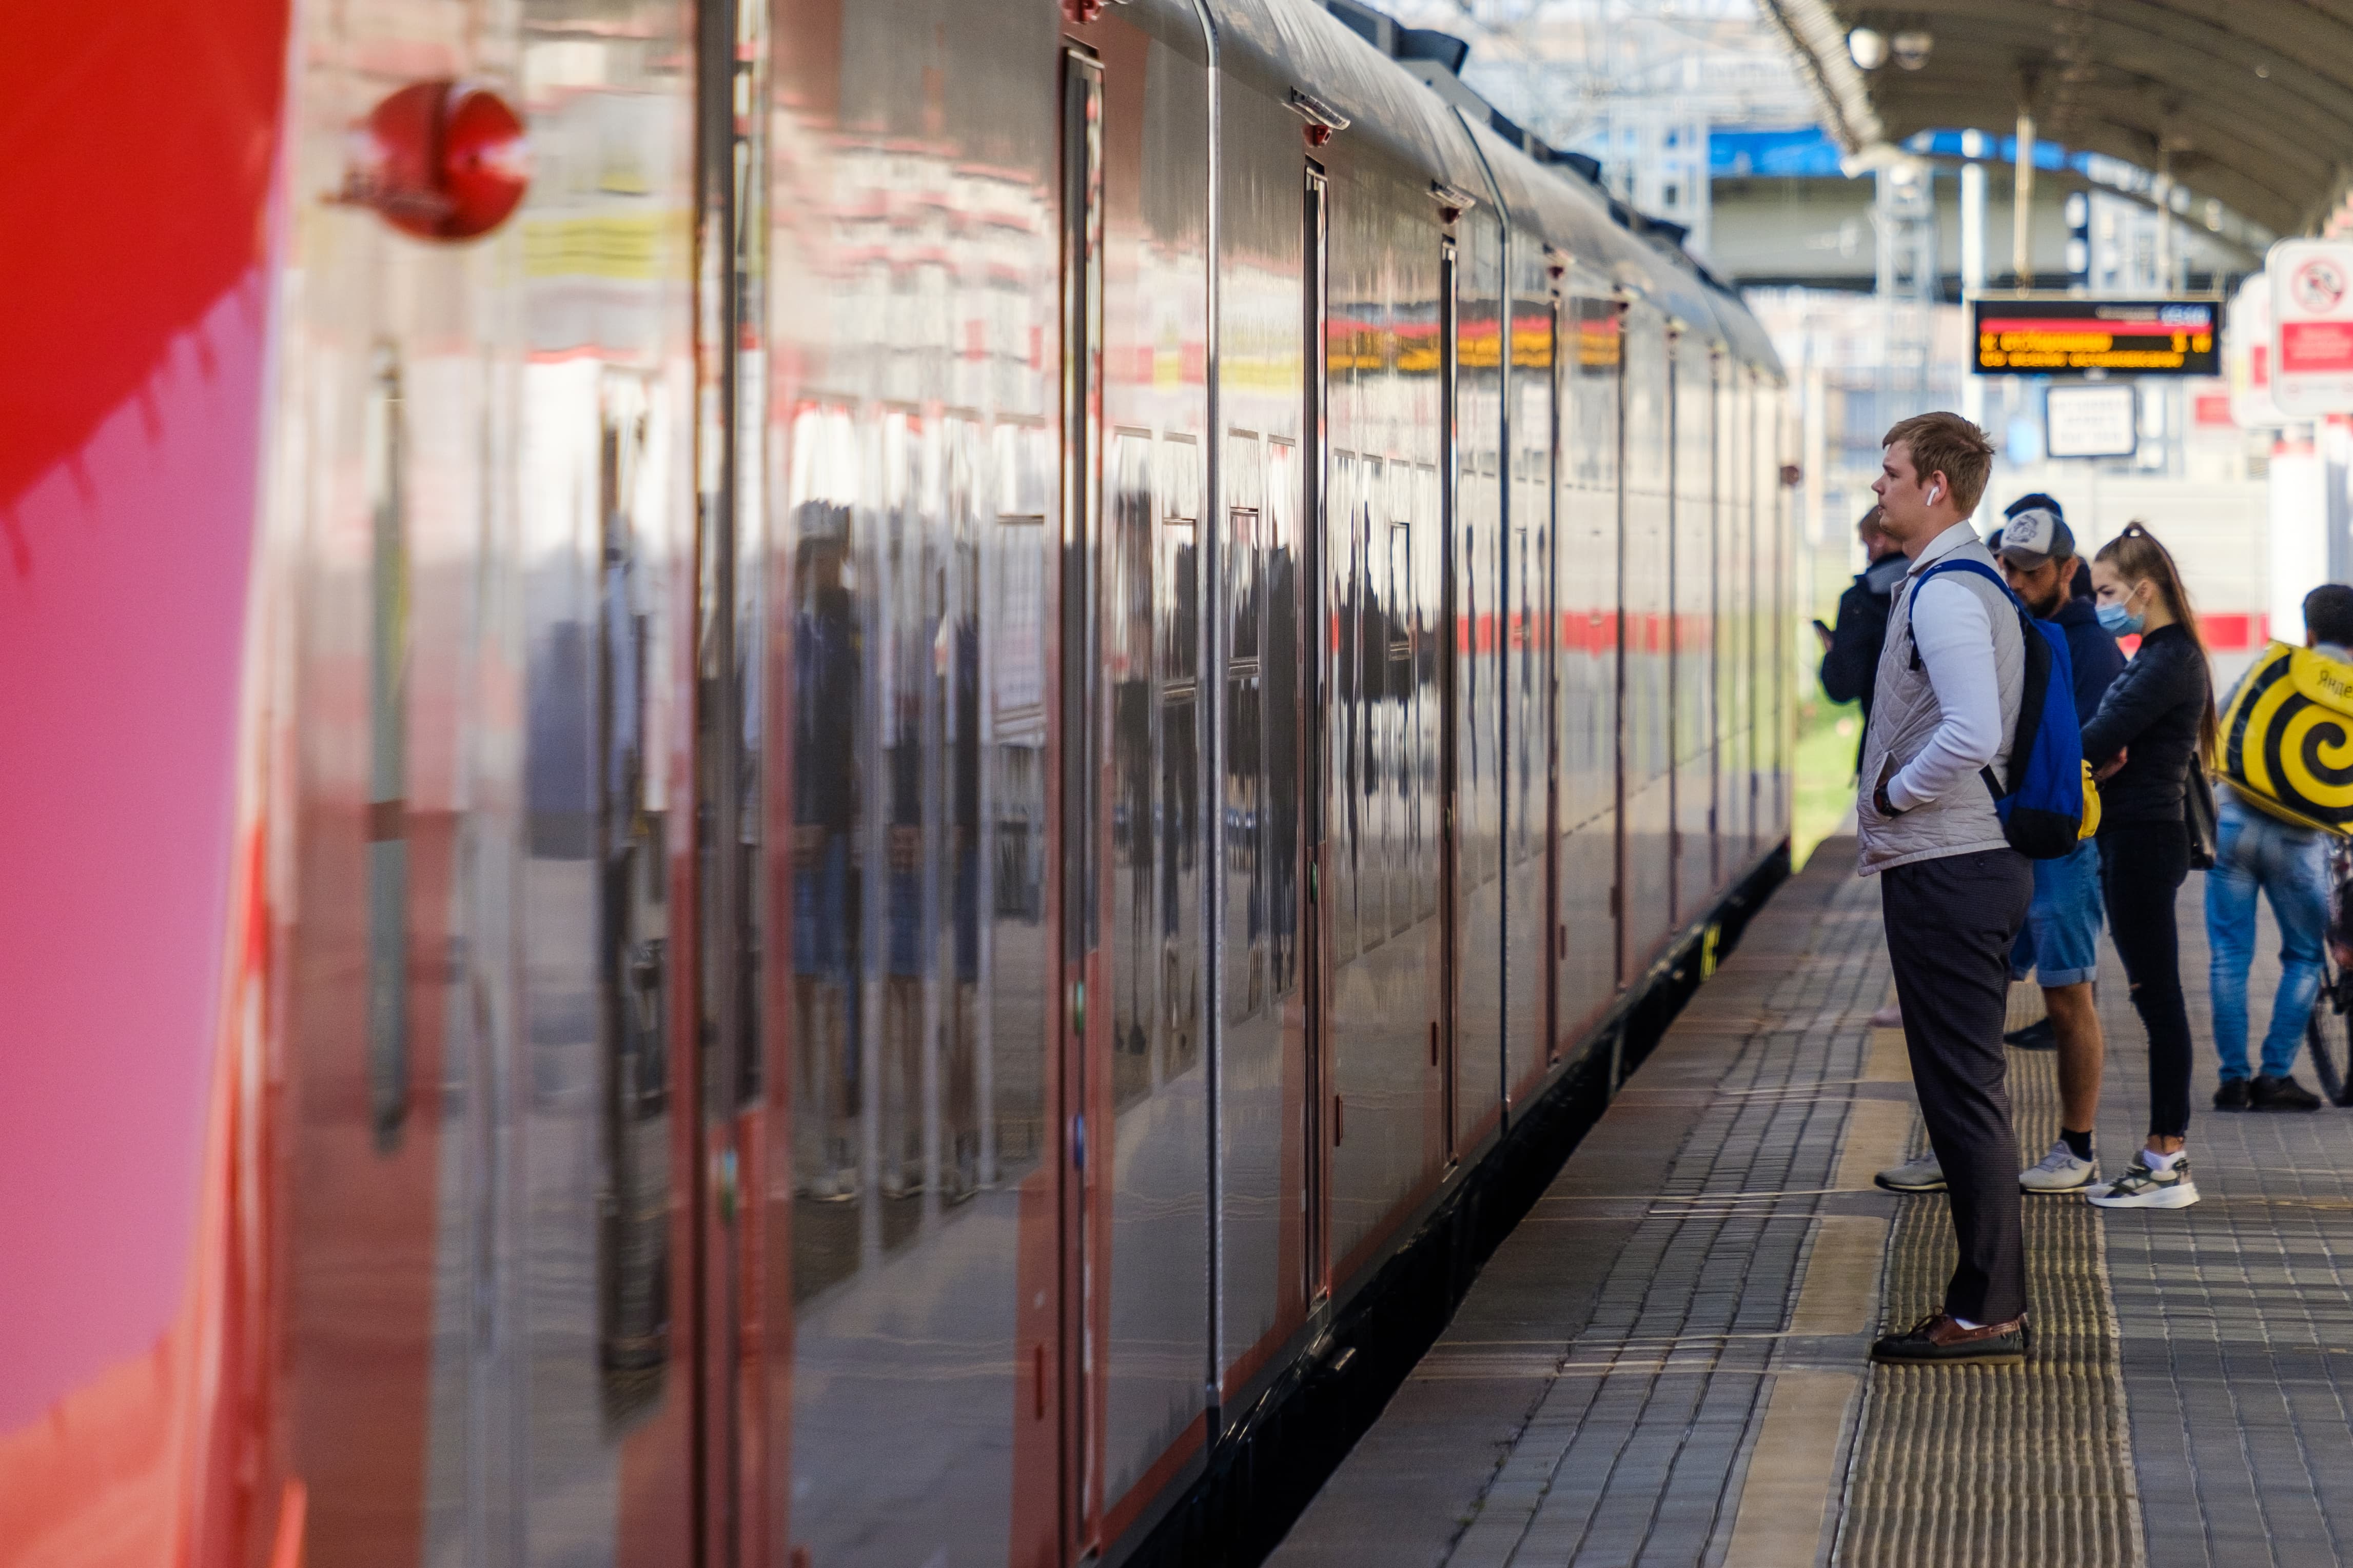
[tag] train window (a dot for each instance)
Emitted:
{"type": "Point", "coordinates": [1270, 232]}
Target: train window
{"type": "Point", "coordinates": [901, 661]}
{"type": "Point", "coordinates": [1283, 685]}
{"type": "Point", "coordinates": [955, 673]}
{"type": "Point", "coordinates": [1014, 957]}
{"type": "Point", "coordinates": [1590, 419]}
{"type": "Point", "coordinates": [1178, 638]}
{"type": "Point", "coordinates": [1348, 766]}
{"type": "Point", "coordinates": [1128, 640]}
{"type": "Point", "coordinates": [633, 1257]}
{"type": "Point", "coordinates": [386, 457]}
{"type": "Point", "coordinates": [1245, 758]}
{"type": "Point", "coordinates": [824, 480]}
{"type": "Point", "coordinates": [1397, 788]}
{"type": "Point", "coordinates": [1427, 712]}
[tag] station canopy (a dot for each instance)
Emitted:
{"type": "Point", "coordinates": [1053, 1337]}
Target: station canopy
{"type": "Point", "coordinates": [2248, 102]}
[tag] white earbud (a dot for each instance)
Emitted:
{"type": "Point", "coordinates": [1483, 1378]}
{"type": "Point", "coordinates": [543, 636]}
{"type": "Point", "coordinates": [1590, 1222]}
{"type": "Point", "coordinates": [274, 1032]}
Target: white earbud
{"type": "Point", "coordinates": [1933, 491]}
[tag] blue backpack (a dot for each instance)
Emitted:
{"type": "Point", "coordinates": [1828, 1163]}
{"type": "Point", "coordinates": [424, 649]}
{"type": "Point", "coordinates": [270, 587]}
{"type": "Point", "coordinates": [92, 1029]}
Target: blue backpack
{"type": "Point", "coordinates": [2041, 812]}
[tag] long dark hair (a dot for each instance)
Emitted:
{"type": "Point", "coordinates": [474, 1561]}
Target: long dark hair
{"type": "Point", "coordinates": [2138, 557]}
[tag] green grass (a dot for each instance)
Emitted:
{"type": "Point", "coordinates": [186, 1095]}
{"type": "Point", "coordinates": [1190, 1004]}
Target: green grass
{"type": "Point", "coordinates": [1826, 734]}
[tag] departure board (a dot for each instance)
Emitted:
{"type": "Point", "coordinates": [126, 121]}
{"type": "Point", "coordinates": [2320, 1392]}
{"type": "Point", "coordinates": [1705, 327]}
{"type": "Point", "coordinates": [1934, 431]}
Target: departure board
{"type": "Point", "coordinates": [2135, 337]}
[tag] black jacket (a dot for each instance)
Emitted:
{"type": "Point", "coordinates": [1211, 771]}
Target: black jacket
{"type": "Point", "coordinates": [2094, 653]}
{"type": "Point", "coordinates": [1850, 666]}
{"type": "Point", "coordinates": [2153, 710]}
{"type": "Point", "coordinates": [1851, 663]}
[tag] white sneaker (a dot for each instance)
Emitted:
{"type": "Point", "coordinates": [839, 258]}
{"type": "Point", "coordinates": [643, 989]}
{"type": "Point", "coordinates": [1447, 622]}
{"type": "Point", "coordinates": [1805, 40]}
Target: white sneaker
{"type": "Point", "coordinates": [1921, 1175]}
{"type": "Point", "coordinates": [1888, 1017]}
{"type": "Point", "coordinates": [2142, 1188]}
{"type": "Point", "coordinates": [2058, 1171]}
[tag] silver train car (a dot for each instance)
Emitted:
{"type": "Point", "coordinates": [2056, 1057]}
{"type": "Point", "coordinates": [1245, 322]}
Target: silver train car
{"type": "Point", "coordinates": [925, 761]}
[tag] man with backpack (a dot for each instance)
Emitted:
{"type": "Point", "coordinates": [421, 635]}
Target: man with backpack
{"type": "Point", "coordinates": [2059, 941]}
{"type": "Point", "coordinates": [1951, 685]}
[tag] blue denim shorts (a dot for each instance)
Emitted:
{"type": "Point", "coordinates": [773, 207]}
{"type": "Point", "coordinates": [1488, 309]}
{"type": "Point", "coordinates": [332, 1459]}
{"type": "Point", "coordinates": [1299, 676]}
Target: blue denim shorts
{"type": "Point", "coordinates": [2059, 942]}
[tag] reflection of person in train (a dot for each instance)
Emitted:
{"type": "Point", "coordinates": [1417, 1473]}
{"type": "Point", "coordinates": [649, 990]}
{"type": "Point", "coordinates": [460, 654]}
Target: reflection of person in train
{"type": "Point", "coordinates": [1181, 810]}
{"type": "Point", "coordinates": [826, 655]}
{"type": "Point", "coordinates": [1280, 844]}
{"type": "Point", "coordinates": [960, 1173]}
{"type": "Point", "coordinates": [1132, 850]}
{"type": "Point", "coordinates": [903, 983]}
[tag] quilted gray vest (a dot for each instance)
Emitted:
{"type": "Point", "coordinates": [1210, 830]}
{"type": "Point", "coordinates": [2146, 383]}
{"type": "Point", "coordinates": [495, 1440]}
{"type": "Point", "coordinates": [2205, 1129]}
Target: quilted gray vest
{"type": "Point", "coordinates": [1905, 713]}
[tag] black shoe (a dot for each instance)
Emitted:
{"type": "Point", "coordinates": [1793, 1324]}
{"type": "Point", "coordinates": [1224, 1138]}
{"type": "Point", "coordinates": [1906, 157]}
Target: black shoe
{"type": "Point", "coordinates": [2232, 1094]}
{"type": "Point", "coordinates": [1941, 1338]}
{"type": "Point", "coordinates": [2038, 1036]}
{"type": "Point", "coordinates": [2281, 1094]}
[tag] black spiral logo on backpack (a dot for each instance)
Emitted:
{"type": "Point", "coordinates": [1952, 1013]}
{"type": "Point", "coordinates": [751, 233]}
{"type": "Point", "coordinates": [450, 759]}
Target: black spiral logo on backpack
{"type": "Point", "coordinates": [2288, 750]}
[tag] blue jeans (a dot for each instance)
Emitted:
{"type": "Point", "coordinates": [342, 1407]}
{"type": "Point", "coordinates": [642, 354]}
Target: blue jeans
{"type": "Point", "coordinates": [2290, 866]}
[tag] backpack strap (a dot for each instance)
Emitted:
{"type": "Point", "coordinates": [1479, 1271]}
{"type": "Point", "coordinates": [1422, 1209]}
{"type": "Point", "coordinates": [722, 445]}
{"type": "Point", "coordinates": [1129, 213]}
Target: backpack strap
{"type": "Point", "coordinates": [1976, 568]}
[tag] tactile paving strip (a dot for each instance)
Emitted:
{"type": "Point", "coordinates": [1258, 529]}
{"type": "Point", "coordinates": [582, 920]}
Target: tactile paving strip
{"type": "Point", "coordinates": [1995, 1466]}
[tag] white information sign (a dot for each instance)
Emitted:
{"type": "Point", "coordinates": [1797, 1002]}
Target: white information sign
{"type": "Point", "coordinates": [2090, 420]}
{"type": "Point", "coordinates": [2312, 325]}
{"type": "Point", "coordinates": [2247, 354]}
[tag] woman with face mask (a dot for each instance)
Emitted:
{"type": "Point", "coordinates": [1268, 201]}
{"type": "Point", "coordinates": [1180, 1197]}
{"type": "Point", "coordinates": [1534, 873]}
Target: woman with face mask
{"type": "Point", "coordinates": [2153, 718]}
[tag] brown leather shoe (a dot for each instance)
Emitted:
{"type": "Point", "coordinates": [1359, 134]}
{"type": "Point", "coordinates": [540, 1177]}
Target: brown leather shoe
{"type": "Point", "coordinates": [1941, 1338]}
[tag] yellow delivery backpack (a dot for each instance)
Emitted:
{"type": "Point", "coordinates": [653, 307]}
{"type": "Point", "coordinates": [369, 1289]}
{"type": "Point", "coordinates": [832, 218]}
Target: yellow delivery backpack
{"type": "Point", "coordinates": [2287, 739]}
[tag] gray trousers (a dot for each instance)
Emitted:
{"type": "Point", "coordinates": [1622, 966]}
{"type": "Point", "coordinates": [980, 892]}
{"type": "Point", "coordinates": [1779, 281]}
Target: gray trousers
{"type": "Point", "coordinates": [1951, 923]}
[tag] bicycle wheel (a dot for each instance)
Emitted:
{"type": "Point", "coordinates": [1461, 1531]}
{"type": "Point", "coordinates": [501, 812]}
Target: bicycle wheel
{"type": "Point", "coordinates": [2328, 1038]}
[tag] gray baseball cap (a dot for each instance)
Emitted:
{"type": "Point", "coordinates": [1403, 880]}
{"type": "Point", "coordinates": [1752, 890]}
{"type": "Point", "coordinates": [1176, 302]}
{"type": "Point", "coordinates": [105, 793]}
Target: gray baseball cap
{"type": "Point", "coordinates": [2034, 536]}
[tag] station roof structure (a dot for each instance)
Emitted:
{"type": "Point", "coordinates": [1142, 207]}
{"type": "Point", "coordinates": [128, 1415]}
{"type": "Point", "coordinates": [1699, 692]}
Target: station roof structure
{"type": "Point", "coordinates": [2246, 101]}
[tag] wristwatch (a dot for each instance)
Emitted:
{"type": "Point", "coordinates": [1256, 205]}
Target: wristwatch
{"type": "Point", "coordinates": [1879, 801]}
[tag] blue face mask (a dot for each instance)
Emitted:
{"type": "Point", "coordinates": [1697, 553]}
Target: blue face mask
{"type": "Point", "coordinates": [2119, 621]}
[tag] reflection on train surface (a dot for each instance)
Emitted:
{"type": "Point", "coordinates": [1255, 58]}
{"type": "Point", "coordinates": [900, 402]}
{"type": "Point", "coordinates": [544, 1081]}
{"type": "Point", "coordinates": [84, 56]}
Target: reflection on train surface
{"type": "Point", "coordinates": [917, 765]}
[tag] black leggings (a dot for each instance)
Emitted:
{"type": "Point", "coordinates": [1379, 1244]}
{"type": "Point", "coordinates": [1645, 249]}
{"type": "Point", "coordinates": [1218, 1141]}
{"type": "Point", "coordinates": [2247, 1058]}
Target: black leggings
{"type": "Point", "coordinates": [2142, 867]}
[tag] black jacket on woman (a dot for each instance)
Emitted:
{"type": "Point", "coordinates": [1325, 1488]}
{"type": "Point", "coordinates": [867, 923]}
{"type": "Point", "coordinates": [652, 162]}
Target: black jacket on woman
{"type": "Point", "coordinates": [2154, 710]}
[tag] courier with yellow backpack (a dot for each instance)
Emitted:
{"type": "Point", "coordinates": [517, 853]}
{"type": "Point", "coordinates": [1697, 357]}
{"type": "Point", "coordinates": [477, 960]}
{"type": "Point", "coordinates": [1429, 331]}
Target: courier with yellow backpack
{"type": "Point", "coordinates": [2285, 759]}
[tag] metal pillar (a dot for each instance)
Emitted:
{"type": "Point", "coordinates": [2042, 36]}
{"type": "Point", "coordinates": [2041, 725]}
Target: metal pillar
{"type": "Point", "coordinates": [2166, 277]}
{"type": "Point", "coordinates": [2021, 212]}
{"type": "Point", "coordinates": [1973, 259]}
{"type": "Point", "coordinates": [1904, 214]}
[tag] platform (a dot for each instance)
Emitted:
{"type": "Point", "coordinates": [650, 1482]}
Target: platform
{"type": "Point", "coordinates": [1665, 1362]}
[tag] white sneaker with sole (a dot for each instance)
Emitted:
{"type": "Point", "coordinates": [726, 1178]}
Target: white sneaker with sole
{"type": "Point", "coordinates": [2060, 1172]}
{"type": "Point", "coordinates": [2142, 1188]}
{"type": "Point", "coordinates": [1921, 1175]}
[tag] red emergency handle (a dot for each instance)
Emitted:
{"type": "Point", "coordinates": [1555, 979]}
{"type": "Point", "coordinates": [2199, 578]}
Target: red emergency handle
{"type": "Point", "coordinates": [439, 160]}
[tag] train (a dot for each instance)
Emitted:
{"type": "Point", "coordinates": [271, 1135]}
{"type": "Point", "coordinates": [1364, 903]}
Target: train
{"type": "Point", "coordinates": [783, 778]}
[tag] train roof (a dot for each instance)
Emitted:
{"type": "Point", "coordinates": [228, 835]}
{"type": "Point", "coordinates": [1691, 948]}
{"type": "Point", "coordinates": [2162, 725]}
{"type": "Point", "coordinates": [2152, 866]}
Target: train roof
{"type": "Point", "coordinates": [1347, 61]}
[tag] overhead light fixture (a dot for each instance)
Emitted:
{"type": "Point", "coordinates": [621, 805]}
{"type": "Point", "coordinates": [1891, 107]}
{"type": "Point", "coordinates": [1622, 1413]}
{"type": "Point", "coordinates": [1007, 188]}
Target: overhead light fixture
{"type": "Point", "coordinates": [1911, 47]}
{"type": "Point", "coordinates": [1868, 48]}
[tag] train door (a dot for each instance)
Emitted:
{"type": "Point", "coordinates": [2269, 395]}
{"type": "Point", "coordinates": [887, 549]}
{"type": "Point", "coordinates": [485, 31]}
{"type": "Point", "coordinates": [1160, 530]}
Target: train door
{"type": "Point", "coordinates": [1449, 728]}
{"type": "Point", "coordinates": [1319, 1139]}
{"type": "Point", "coordinates": [1552, 611]}
{"type": "Point", "coordinates": [1082, 1032]}
{"type": "Point", "coordinates": [1588, 668]}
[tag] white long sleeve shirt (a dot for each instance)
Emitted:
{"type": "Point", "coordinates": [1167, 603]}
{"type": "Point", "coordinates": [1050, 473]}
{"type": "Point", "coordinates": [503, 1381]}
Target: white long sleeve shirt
{"type": "Point", "coordinates": [1950, 628]}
